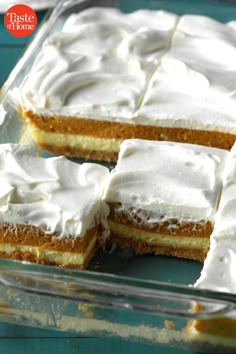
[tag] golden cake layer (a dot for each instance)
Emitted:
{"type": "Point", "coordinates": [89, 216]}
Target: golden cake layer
{"type": "Point", "coordinates": [100, 140]}
{"type": "Point", "coordinates": [32, 244]}
{"type": "Point", "coordinates": [50, 208]}
{"type": "Point", "coordinates": [163, 197]}
{"type": "Point", "coordinates": [170, 238]}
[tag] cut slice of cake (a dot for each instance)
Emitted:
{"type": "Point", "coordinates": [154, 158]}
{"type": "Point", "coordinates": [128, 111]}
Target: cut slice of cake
{"type": "Point", "coordinates": [109, 76]}
{"type": "Point", "coordinates": [218, 272]}
{"type": "Point", "coordinates": [50, 208]}
{"type": "Point", "coordinates": [163, 197]}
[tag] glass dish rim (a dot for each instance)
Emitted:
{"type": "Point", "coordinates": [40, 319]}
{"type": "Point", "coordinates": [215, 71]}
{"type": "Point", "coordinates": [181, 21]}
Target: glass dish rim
{"type": "Point", "coordinates": [111, 290]}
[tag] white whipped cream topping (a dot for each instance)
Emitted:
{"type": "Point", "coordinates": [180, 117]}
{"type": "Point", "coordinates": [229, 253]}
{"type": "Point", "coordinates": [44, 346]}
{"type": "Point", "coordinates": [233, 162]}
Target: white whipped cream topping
{"type": "Point", "coordinates": [99, 65]}
{"type": "Point", "coordinates": [218, 272]}
{"type": "Point", "coordinates": [55, 193]}
{"type": "Point", "coordinates": [195, 84]}
{"type": "Point", "coordinates": [146, 67]}
{"type": "Point", "coordinates": [180, 180]}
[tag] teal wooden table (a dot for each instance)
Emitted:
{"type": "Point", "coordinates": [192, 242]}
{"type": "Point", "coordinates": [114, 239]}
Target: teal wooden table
{"type": "Point", "coordinates": [22, 339]}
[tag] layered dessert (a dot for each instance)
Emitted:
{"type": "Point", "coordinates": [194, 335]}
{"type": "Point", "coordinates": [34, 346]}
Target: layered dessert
{"type": "Point", "coordinates": [163, 197]}
{"type": "Point", "coordinates": [109, 76]}
{"type": "Point", "coordinates": [218, 272]}
{"type": "Point", "coordinates": [50, 208]}
{"type": "Point", "coordinates": [82, 93]}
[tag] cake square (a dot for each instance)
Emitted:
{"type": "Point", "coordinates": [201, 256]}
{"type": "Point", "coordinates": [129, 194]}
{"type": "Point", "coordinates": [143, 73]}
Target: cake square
{"type": "Point", "coordinates": [50, 208]}
{"type": "Point", "coordinates": [163, 197]}
{"type": "Point", "coordinates": [191, 96]}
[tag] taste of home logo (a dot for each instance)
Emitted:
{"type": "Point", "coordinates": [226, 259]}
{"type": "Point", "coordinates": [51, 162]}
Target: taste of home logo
{"type": "Point", "coordinates": [20, 20]}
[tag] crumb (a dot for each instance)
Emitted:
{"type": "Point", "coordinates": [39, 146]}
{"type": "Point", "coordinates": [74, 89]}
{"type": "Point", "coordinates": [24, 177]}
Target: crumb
{"type": "Point", "coordinates": [197, 308]}
{"type": "Point", "coordinates": [83, 307]}
{"type": "Point", "coordinates": [89, 314]}
{"type": "Point", "coordinates": [169, 324]}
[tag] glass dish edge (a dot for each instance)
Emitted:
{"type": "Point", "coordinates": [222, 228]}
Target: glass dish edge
{"type": "Point", "coordinates": [11, 269]}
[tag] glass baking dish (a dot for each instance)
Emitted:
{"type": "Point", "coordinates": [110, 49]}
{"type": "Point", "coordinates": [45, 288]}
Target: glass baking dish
{"type": "Point", "coordinates": [140, 298]}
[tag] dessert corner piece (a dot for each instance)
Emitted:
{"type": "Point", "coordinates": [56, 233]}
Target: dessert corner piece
{"type": "Point", "coordinates": [50, 208]}
{"type": "Point", "coordinates": [83, 91]}
{"type": "Point", "coordinates": [163, 197]}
